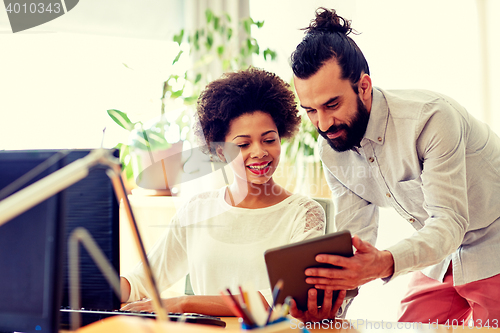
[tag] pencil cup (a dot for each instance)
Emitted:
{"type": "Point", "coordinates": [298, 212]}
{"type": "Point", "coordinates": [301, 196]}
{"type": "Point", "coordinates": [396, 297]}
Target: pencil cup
{"type": "Point", "coordinates": [281, 324]}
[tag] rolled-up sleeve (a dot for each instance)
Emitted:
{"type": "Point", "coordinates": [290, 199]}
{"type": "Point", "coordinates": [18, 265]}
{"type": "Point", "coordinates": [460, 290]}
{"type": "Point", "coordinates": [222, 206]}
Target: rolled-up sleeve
{"type": "Point", "coordinates": [441, 144]}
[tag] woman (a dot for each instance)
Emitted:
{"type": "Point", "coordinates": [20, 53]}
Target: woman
{"type": "Point", "coordinates": [219, 237]}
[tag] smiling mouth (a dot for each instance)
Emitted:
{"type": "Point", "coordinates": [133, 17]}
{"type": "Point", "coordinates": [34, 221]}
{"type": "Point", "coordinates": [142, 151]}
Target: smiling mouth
{"type": "Point", "coordinates": [335, 135]}
{"type": "Point", "coordinates": [259, 169]}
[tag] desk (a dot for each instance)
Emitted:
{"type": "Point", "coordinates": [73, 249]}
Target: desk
{"type": "Point", "coordinates": [137, 325]}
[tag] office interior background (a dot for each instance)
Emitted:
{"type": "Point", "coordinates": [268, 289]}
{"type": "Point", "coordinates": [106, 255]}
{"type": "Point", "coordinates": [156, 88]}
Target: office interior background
{"type": "Point", "coordinates": [57, 80]}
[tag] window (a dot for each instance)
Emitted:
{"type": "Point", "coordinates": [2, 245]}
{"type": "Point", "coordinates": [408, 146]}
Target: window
{"type": "Point", "coordinates": [56, 87]}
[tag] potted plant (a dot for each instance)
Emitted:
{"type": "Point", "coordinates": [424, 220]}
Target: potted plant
{"type": "Point", "coordinates": [149, 145]}
{"type": "Point", "coordinates": [213, 49]}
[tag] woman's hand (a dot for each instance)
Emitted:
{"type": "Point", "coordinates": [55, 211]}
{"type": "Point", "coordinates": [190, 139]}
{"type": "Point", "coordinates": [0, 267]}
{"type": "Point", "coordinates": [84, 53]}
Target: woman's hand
{"type": "Point", "coordinates": [174, 304]}
{"type": "Point", "coordinates": [314, 313]}
{"type": "Point", "coordinates": [211, 305]}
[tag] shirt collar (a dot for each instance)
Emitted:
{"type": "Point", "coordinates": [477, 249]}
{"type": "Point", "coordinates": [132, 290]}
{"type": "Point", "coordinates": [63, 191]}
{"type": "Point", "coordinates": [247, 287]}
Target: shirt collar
{"type": "Point", "coordinates": [379, 114]}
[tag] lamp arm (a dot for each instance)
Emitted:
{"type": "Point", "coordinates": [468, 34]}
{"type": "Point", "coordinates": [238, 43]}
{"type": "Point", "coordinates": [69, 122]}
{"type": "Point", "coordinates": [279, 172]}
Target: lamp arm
{"type": "Point", "coordinates": [81, 235]}
{"type": "Point", "coordinates": [117, 181]}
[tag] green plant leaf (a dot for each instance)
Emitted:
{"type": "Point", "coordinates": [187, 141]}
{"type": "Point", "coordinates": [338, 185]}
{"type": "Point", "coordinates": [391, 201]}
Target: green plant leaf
{"type": "Point", "coordinates": [125, 163]}
{"type": "Point", "coordinates": [220, 50]}
{"type": "Point", "coordinates": [249, 45]}
{"type": "Point", "coordinates": [229, 33]}
{"type": "Point", "coordinates": [129, 171]}
{"type": "Point", "coordinates": [166, 87]}
{"type": "Point", "coordinates": [226, 64]}
{"type": "Point", "coordinates": [141, 141]}
{"type": "Point", "coordinates": [198, 78]}
{"type": "Point", "coordinates": [216, 23]}
{"type": "Point", "coordinates": [177, 94]}
{"type": "Point", "coordinates": [121, 119]}
{"type": "Point", "coordinates": [155, 139]}
{"type": "Point", "coordinates": [252, 46]}
{"type": "Point", "coordinates": [177, 57]}
{"type": "Point", "coordinates": [210, 41]}
{"type": "Point", "coordinates": [259, 24]}
{"type": "Point", "coordinates": [269, 53]}
{"type": "Point", "coordinates": [243, 52]}
{"type": "Point", "coordinates": [178, 38]}
{"type": "Point", "coordinates": [196, 40]}
{"type": "Point", "coordinates": [256, 48]}
{"type": "Point", "coordinates": [247, 25]}
{"type": "Point", "coordinates": [124, 151]}
{"type": "Point", "coordinates": [172, 77]}
{"type": "Point", "coordinates": [222, 30]}
{"type": "Point", "coordinates": [209, 15]}
{"type": "Point", "coordinates": [190, 100]}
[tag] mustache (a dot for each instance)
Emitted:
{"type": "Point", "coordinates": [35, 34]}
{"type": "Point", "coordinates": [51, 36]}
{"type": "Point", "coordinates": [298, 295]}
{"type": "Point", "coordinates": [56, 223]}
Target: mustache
{"type": "Point", "coordinates": [333, 129]}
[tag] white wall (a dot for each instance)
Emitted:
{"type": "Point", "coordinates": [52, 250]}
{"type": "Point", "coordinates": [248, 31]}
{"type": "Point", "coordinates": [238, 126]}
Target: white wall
{"type": "Point", "coordinates": [56, 87]}
{"type": "Point", "coordinates": [424, 44]}
{"type": "Point", "coordinates": [58, 79]}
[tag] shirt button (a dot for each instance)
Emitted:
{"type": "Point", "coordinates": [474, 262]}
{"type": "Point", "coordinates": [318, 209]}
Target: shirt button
{"type": "Point", "coordinates": [379, 139]}
{"type": "Point", "coordinates": [388, 195]}
{"type": "Point", "coordinates": [411, 220]}
{"type": "Point", "coordinates": [371, 159]}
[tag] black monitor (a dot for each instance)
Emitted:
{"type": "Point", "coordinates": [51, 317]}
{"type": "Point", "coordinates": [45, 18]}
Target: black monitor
{"type": "Point", "coordinates": [89, 203]}
{"type": "Point", "coordinates": [92, 204]}
{"type": "Point", "coordinates": [30, 255]}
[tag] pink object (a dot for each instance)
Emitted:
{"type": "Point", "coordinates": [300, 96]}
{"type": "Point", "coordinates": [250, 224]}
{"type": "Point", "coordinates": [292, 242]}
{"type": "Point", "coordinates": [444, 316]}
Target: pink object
{"type": "Point", "coordinates": [430, 301]}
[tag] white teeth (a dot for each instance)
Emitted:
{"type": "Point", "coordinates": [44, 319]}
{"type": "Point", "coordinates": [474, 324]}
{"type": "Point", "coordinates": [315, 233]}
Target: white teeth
{"type": "Point", "coordinates": [259, 167]}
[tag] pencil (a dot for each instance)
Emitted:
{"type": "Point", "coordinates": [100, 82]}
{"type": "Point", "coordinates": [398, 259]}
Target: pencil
{"type": "Point", "coordinates": [286, 306]}
{"type": "Point", "coordinates": [276, 291]}
{"type": "Point", "coordinates": [232, 306]}
{"type": "Point", "coordinates": [244, 314]}
{"type": "Point", "coordinates": [242, 296]}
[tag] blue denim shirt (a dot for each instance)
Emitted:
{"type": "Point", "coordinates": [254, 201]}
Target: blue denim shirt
{"type": "Point", "coordinates": [424, 155]}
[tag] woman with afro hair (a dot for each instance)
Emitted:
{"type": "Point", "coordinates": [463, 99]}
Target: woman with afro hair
{"type": "Point", "coordinates": [219, 237]}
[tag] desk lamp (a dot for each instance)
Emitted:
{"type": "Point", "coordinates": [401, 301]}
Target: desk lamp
{"type": "Point", "coordinates": [32, 195]}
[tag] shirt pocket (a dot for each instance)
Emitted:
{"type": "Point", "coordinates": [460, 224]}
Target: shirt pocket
{"type": "Point", "coordinates": [412, 196]}
{"type": "Point", "coordinates": [412, 190]}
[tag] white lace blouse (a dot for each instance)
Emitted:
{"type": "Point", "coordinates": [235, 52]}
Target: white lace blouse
{"type": "Point", "coordinates": [221, 246]}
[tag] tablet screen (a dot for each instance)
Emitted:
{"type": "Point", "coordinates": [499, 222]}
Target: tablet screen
{"type": "Point", "coordinates": [289, 262]}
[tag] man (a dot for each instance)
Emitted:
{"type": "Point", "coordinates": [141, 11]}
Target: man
{"type": "Point", "coordinates": [417, 151]}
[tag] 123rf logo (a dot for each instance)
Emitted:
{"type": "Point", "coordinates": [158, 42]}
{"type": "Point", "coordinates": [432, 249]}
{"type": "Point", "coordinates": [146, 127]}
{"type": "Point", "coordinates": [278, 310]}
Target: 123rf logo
{"type": "Point", "coordinates": [24, 15]}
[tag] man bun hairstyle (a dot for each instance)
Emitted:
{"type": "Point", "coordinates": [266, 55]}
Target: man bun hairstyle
{"type": "Point", "coordinates": [329, 22]}
{"type": "Point", "coordinates": [327, 37]}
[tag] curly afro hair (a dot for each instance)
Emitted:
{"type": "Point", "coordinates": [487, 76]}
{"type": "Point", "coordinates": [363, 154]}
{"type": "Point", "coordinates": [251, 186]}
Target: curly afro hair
{"type": "Point", "coordinates": [241, 92]}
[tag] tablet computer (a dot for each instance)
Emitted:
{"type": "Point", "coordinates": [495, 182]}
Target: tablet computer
{"type": "Point", "coordinates": [289, 262]}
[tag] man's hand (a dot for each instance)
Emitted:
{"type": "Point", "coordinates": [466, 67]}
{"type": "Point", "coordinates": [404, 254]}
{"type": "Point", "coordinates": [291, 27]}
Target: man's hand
{"type": "Point", "coordinates": [315, 314]}
{"type": "Point", "coordinates": [366, 265]}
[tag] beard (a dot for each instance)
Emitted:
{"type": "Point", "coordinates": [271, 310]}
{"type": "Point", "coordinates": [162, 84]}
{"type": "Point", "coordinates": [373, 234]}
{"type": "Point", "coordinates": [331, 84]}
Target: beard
{"type": "Point", "coordinates": [353, 133]}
